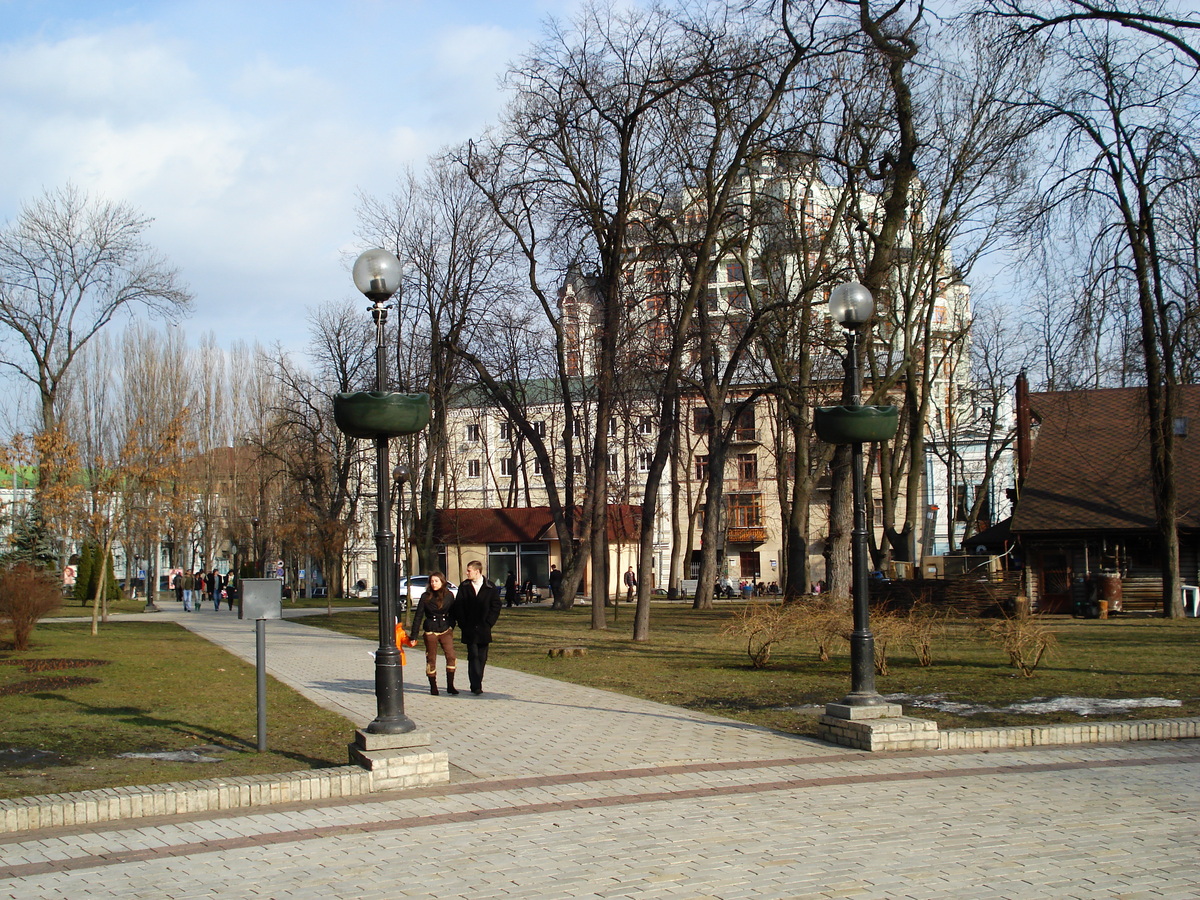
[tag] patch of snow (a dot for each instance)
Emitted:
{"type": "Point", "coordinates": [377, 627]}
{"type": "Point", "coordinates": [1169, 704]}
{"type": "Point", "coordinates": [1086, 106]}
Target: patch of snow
{"type": "Point", "coordinates": [1084, 706]}
{"type": "Point", "coordinates": [172, 756]}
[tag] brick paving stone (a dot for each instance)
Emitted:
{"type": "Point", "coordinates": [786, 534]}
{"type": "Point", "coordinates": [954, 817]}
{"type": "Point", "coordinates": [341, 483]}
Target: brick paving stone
{"type": "Point", "coordinates": [702, 812]}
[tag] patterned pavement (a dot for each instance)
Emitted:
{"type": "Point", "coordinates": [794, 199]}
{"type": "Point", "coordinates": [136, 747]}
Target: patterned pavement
{"type": "Point", "coordinates": [567, 792]}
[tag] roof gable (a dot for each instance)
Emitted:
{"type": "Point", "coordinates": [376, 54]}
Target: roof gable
{"type": "Point", "coordinates": [1090, 468]}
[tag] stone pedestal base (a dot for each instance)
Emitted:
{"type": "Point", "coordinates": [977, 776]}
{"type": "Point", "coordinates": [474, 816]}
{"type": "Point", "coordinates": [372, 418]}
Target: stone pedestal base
{"type": "Point", "coordinates": [876, 728]}
{"type": "Point", "coordinates": [399, 760]}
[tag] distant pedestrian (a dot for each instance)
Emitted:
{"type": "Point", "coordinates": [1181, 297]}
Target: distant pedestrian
{"type": "Point", "coordinates": [189, 586]}
{"type": "Point", "coordinates": [214, 588]}
{"type": "Point", "coordinates": [556, 580]}
{"type": "Point", "coordinates": [631, 584]}
{"type": "Point", "coordinates": [510, 589]}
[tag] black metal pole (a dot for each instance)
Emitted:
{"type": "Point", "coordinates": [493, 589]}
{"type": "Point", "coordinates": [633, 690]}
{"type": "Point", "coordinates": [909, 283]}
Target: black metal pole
{"type": "Point", "coordinates": [389, 685]}
{"type": "Point", "coordinates": [862, 642]}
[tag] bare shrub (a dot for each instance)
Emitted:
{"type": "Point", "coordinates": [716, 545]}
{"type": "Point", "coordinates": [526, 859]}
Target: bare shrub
{"type": "Point", "coordinates": [763, 625]}
{"type": "Point", "coordinates": [926, 626]}
{"type": "Point", "coordinates": [1025, 639]}
{"type": "Point", "coordinates": [827, 623]}
{"type": "Point", "coordinates": [888, 629]}
{"type": "Point", "coordinates": [26, 594]}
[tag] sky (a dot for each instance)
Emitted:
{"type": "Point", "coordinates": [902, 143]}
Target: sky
{"type": "Point", "coordinates": [247, 130]}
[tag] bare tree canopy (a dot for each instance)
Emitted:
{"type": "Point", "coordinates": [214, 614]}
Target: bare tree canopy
{"type": "Point", "coordinates": [68, 264]}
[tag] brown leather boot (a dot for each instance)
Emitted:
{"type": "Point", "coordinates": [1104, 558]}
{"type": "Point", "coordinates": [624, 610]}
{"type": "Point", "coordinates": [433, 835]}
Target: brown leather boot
{"type": "Point", "coordinates": [450, 689]}
{"type": "Point", "coordinates": [433, 685]}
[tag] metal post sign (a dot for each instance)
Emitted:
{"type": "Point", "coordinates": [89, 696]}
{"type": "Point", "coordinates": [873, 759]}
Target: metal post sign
{"type": "Point", "coordinates": [262, 599]}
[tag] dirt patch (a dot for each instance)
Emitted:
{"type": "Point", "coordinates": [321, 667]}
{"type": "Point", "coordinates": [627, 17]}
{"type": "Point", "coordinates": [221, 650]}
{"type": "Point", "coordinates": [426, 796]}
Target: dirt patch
{"type": "Point", "coordinates": [52, 683]}
{"type": "Point", "coordinates": [52, 665]}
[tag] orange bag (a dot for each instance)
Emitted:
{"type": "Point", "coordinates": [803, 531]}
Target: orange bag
{"type": "Point", "coordinates": [401, 640]}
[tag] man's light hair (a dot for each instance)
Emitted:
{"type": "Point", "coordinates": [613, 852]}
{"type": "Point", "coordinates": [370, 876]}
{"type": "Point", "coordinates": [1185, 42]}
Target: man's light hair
{"type": "Point", "coordinates": [476, 565]}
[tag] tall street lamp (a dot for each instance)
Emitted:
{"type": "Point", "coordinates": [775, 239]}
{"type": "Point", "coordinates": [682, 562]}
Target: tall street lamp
{"type": "Point", "coordinates": [257, 565]}
{"type": "Point", "coordinates": [377, 275]}
{"type": "Point", "coordinates": [851, 306]}
{"type": "Point", "coordinates": [401, 475]}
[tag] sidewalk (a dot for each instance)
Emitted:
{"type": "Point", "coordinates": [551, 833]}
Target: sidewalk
{"type": "Point", "coordinates": [566, 792]}
{"type": "Point", "coordinates": [521, 724]}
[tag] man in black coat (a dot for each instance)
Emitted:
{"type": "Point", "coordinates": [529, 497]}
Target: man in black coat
{"type": "Point", "coordinates": [476, 608]}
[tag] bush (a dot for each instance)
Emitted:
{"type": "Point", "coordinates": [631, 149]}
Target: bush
{"type": "Point", "coordinates": [1025, 639]}
{"type": "Point", "coordinates": [763, 625]}
{"type": "Point", "coordinates": [26, 594]}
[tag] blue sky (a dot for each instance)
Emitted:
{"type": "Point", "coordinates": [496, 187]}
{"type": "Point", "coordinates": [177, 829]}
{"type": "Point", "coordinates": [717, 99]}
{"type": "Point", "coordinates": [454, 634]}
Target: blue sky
{"type": "Point", "coordinates": [245, 129]}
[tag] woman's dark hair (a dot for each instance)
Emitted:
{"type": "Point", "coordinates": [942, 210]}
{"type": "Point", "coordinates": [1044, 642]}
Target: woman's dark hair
{"type": "Point", "coordinates": [438, 597]}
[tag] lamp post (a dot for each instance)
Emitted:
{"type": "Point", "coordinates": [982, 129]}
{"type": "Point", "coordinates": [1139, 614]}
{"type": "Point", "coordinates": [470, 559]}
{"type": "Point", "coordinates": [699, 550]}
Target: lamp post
{"type": "Point", "coordinates": [851, 306]}
{"type": "Point", "coordinates": [400, 476]}
{"type": "Point", "coordinates": [254, 549]}
{"type": "Point", "coordinates": [377, 276]}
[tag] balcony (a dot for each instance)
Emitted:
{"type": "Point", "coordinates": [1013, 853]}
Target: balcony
{"type": "Point", "coordinates": [754, 534]}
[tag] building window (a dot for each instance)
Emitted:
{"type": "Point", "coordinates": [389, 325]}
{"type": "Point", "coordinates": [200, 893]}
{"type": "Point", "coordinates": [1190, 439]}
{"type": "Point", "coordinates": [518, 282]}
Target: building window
{"type": "Point", "coordinates": [506, 431]}
{"type": "Point", "coordinates": [701, 461]}
{"type": "Point", "coordinates": [539, 428]}
{"type": "Point", "coordinates": [733, 272]}
{"type": "Point", "coordinates": [578, 465]}
{"type": "Point", "coordinates": [745, 510]}
{"type": "Point", "coordinates": [713, 298]}
{"type": "Point", "coordinates": [473, 468]}
{"type": "Point", "coordinates": [646, 425]}
{"type": "Point", "coordinates": [576, 427]}
{"type": "Point", "coordinates": [614, 463]}
{"type": "Point", "coordinates": [701, 420]}
{"type": "Point", "coordinates": [757, 270]}
{"type": "Point", "coordinates": [508, 466]}
{"type": "Point", "coordinates": [645, 457]}
{"type": "Point", "coordinates": [961, 507]}
{"type": "Point", "coordinates": [747, 471]}
{"type": "Point", "coordinates": [473, 433]}
{"type": "Point", "coordinates": [744, 425]}
{"type": "Point", "coordinates": [537, 466]}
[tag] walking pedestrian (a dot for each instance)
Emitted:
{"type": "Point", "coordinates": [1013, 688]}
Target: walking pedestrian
{"type": "Point", "coordinates": [510, 589]}
{"type": "Point", "coordinates": [476, 611]}
{"type": "Point", "coordinates": [189, 586]}
{"type": "Point", "coordinates": [434, 620]}
{"type": "Point", "coordinates": [556, 580]}
{"type": "Point", "coordinates": [217, 584]}
{"type": "Point", "coordinates": [631, 583]}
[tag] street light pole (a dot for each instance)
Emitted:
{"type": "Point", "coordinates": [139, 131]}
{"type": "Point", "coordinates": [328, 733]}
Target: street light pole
{"type": "Point", "coordinates": [377, 276]}
{"type": "Point", "coordinates": [257, 564]}
{"type": "Point", "coordinates": [400, 475]}
{"type": "Point", "coordinates": [851, 306]}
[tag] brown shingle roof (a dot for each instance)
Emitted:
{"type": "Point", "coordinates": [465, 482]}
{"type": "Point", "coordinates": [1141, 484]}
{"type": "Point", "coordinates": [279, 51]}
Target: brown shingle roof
{"type": "Point", "coordinates": [1090, 469]}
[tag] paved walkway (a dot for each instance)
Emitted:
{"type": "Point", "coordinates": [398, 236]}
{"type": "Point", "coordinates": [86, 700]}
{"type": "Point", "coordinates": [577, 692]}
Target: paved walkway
{"type": "Point", "coordinates": [568, 792]}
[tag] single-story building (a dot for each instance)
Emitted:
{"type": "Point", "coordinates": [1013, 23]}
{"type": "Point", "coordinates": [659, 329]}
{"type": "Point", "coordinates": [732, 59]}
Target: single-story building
{"type": "Point", "coordinates": [1085, 513]}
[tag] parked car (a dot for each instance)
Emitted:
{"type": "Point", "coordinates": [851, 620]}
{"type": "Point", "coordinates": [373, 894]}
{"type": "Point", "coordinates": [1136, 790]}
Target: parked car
{"type": "Point", "coordinates": [410, 589]}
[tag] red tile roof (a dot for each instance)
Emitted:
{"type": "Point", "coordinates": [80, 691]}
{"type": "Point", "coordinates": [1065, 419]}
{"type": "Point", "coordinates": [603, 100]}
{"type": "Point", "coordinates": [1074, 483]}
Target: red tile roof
{"type": "Point", "coordinates": [1090, 469]}
{"type": "Point", "coordinates": [522, 524]}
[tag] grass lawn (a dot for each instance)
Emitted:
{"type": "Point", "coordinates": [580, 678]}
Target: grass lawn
{"type": "Point", "coordinates": [689, 663]}
{"type": "Point", "coordinates": [145, 686]}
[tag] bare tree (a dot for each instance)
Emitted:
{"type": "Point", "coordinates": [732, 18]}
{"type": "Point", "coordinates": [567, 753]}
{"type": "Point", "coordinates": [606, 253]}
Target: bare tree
{"type": "Point", "coordinates": [68, 265]}
{"type": "Point", "coordinates": [1123, 113]}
